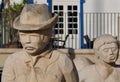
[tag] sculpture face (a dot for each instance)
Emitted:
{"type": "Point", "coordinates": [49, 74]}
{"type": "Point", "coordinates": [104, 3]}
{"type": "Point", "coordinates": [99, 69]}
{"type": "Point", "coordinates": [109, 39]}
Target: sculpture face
{"type": "Point", "coordinates": [32, 42]}
{"type": "Point", "coordinates": [108, 52]}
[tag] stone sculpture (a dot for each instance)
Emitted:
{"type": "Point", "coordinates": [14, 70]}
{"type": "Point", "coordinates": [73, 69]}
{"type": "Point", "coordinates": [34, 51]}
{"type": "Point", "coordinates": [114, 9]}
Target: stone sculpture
{"type": "Point", "coordinates": [105, 69]}
{"type": "Point", "coordinates": [37, 62]}
{"type": "Point", "coordinates": [80, 62]}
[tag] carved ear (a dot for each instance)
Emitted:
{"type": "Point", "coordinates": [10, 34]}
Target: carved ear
{"type": "Point", "coordinates": [97, 53]}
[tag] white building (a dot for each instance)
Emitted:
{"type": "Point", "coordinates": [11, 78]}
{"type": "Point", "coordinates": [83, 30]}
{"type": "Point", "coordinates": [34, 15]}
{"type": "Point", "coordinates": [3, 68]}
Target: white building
{"type": "Point", "coordinates": [99, 18]}
{"type": "Point", "coordinates": [68, 21]}
{"type": "Point", "coordinates": [102, 6]}
{"type": "Point", "coordinates": [104, 14]}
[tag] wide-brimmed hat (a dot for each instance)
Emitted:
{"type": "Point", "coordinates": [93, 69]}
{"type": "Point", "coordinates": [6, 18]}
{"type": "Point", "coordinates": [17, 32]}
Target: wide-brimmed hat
{"type": "Point", "coordinates": [35, 17]}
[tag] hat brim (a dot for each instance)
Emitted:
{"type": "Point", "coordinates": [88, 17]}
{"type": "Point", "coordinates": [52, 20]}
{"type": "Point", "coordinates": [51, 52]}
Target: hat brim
{"type": "Point", "coordinates": [29, 27]}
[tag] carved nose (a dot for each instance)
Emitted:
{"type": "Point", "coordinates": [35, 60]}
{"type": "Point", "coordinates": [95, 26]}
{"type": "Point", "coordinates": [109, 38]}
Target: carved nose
{"type": "Point", "coordinates": [110, 51]}
{"type": "Point", "coordinates": [27, 39]}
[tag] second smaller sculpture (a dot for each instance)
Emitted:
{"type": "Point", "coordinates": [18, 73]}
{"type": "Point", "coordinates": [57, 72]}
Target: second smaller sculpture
{"type": "Point", "coordinates": [105, 69]}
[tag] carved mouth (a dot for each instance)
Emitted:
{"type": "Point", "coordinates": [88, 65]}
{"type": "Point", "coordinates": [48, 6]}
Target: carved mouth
{"type": "Point", "coordinates": [29, 48]}
{"type": "Point", "coordinates": [111, 57]}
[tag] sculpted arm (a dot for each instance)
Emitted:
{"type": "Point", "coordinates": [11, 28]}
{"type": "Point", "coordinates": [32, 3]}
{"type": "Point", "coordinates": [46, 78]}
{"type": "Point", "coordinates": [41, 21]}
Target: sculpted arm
{"type": "Point", "coordinates": [8, 72]}
{"type": "Point", "coordinates": [85, 74]}
{"type": "Point", "coordinates": [82, 76]}
{"type": "Point", "coordinates": [68, 69]}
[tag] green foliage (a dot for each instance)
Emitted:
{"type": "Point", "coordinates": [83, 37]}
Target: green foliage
{"type": "Point", "coordinates": [24, 1]}
{"type": "Point", "coordinates": [10, 14]}
{"type": "Point", "coordinates": [17, 7]}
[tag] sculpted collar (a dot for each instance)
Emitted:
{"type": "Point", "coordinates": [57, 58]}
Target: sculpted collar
{"type": "Point", "coordinates": [46, 54]}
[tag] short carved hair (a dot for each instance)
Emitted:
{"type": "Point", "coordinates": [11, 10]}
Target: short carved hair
{"type": "Point", "coordinates": [102, 40]}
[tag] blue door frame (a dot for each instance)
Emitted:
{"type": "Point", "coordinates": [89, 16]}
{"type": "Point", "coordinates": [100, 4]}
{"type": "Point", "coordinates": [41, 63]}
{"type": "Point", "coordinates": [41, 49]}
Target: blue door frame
{"type": "Point", "coordinates": [30, 1]}
{"type": "Point", "coordinates": [2, 5]}
{"type": "Point", "coordinates": [82, 23]}
{"type": "Point", "coordinates": [50, 4]}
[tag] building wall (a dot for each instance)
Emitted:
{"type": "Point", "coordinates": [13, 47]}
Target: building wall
{"type": "Point", "coordinates": [40, 1]}
{"type": "Point", "coordinates": [102, 6]}
{"type": "Point", "coordinates": [90, 5]}
{"type": "Point", "coordinates": [101, 17]}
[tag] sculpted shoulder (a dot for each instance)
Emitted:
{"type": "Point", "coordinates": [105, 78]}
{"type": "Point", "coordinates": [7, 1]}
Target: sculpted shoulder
{"type": "Point", "coordinates": [62, 55]}
{"type": "Point", "coordinates": [87, 71]}
{"type": "Point", "coordinates": [16, 55]}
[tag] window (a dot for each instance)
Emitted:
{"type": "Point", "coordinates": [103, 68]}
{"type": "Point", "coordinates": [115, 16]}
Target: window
{"type": "Point", "coordinates": [72, 31]}
{"type": "Point", "coordinates": [55, 7]}
{"type": "Point", "coordinates": [74, 19]}
{"type": "Point", "coordinates": [69, 7]}
{"type": "Point", "coordinates": [69, 25]}
{"type": "Point", "coordinates": [61, 25]}
{"type": "Point", "coordinates": [70, 14]}
{"type": "Point", "coordinates": [58, 31]}
{"type": "Point", "coordinates": [61, 31]}
{"type": "Point", "coordinates": [75, 31]}
{"type": "Point", "coordinates": [69, 19]}
{"type": "Point", "coordinates": [55, 12]}
{"type": "Point", "coordinates": [60, 7]}
{"type": "Point", "coordinates": [75, 25]}
{"type": "Point", "coordinates": [60, 19]}
{"type": "Point", "coordinates": [60, 13]}
{"type": "Point", "coordinates": [75, 7]}
{"type": "Point", "coordinates": [74, 13]}
{"type": "Point", "coordinates": [56, 26]}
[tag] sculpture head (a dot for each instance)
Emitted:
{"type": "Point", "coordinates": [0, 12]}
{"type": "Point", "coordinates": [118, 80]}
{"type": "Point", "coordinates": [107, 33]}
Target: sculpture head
{"type": "Point", "coordinates": [35, 26]}
{"type": "Point", "coordinates": [106, 48]}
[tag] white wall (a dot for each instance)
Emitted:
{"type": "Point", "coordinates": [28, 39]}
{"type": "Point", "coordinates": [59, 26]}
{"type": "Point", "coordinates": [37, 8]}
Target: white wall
{"type": "Point", "coordinates": [91, 5]}
{"type": "Point", "coordinates": [15, 1]}
{"type": "Point", "coordinates": [40, 1]}
{"type": "Point", "coordinates": [102, 5]}
{"type": "Point", "coordinates": [0, 1]}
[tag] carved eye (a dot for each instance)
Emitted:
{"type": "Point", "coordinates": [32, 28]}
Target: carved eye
{"type": "Point", "coordinates": [114, 49]}
{"type": "Point", "coordinates": [34, 37]}
{"type": "Point", "coordinates": [106, 50]}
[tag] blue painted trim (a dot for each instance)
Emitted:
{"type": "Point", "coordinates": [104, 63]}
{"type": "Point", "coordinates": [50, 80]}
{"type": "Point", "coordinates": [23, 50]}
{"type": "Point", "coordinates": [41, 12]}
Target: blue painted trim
{"type": "Point", "coordinates": [50, 4]}
{"type": "Point", "coordinates": [81, 23]}
{"type": "Point", "coordinates": [2, 5]}
{"type": "Point", "coordinates": [30, 1]}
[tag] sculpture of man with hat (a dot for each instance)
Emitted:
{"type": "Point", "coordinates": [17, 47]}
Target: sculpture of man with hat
{"type": "Point", "coordinates": [37, 62]}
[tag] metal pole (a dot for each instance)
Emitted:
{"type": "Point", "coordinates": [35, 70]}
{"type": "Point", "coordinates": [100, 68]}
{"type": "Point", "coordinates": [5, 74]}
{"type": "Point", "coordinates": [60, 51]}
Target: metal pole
{"type": "Point", "coordinates": [81, 23]}
{"type": "Point", "coordinates": [3, 29]}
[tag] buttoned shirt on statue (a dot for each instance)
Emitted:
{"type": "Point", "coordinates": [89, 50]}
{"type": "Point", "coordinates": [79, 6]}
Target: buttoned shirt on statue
{"type": "Point", "coordinates": [50, 66]}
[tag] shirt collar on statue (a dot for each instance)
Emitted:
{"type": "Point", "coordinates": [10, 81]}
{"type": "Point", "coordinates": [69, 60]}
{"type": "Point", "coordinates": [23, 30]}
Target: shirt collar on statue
{"type": "Point", "coordinates": [46, 54]}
